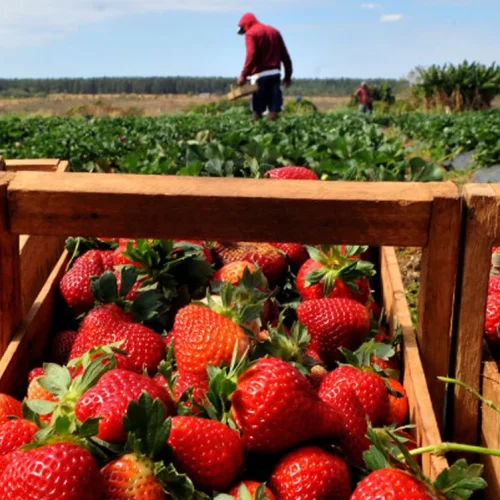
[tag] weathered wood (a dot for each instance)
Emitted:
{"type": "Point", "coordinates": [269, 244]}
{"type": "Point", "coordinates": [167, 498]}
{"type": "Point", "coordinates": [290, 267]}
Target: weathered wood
{"type": "Point", "coordinates": [35, 165]}
{"type": "Point", "coordinates": [10, 287]}
{"type": "Point", "coordinates": [421, 408]}
{"type": "Point", "coordinates": [480, 207]}
{"type": "Point", "coordinates": [2, 164]}
{"type": "Point", "coordinates": [224, 209]}
{"type": "Point", "coordinates": [63, 166]}
{"type": "Point", "coordinates": [437, 290]}
{"type": "Point", "coordinates": [27, 346]}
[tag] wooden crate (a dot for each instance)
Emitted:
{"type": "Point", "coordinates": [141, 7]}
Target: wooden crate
{"type": "Point", "coordinates": [243, 91]}
{"type": "Point", "coordinates": [388, 214]}
{"type": "Point", "coordinates": [474, 423]}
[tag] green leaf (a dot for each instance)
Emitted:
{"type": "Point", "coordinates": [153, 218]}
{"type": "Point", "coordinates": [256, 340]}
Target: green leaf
{"type": "Point", "coordinates": [104, 288]}
{"type": "Point", "coordinates": [89, 428]}
{"type": "Point", "coordinates": [40, 406]}
{"type": "Point", "coordinates": [62, 425]}
{"type": "Point", "coordinates": [460, 481]}
{"type": "Point", "coordinates": [56, 380]}
{"type": "Point", "coordinates": [178, 485]}
{"type": "Point", "coordinates": [128, 280]}
{"type": "Point", "coordinates": [375, 459]}
{"type": "Point", "coordinates": [29, 414]}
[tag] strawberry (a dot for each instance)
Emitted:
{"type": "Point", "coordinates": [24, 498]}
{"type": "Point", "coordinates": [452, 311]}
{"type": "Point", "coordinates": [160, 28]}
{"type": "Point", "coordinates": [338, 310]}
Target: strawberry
{"type": "Point", "coordinates": [35, 373]}
{"type": "Point", "coordinates": [249, 490]}
{"type": "Point", "coordinates": [332, 273]}
{"type": "Point", "coordinates": [270, 260]}
{"type": "Point", "coordinates": [60, 348]}
{"type": "Point", "coordinates": [203, 337]}
{"type": "Point", "coordinates": [311, 473]}
{"type": "Point", "coordinates": [198, 383]}
{"type": "Point", "coordinates": [492, 320]}
{"type": "Point", "coordinates": [9, 407]}
{"type": "Point", "coordinates": [212, 463]}
{"type": "Point", "coordinates": [291, 173]}
{"type": "Point", "coordinates": [110, 397]}
{"type": "Point", "coordinates": [233, 272]}
{"type": "Point", "coordinates": [341, 396]}
{"type": "Point", "coordinates": [75, 284]}
{"type": "Point", "coordinates": [107, 257]}
{"type": "Point", "coordinates": [36, 391]}
{"type": "Point", "coordinates": [295, 252]}
{"type": "Point", "coordinates": [370, 389]}
{"type": "Point", "coordinates": [51, 472]}
{"type": "Point", "coordinates": [398, 405]}
{"type": "Point", "coordinates": [119, 259]}
{"type": "Point", "coordinates": [16, 433]}
{"type": "Point", "coordinates": [494, 284]}
{"type": "Point", "coordinates": [334, 324]}
{"type": "Point", "coordinates": [276, 407]}
{"type": "Point", "coordinates": [391, 483]}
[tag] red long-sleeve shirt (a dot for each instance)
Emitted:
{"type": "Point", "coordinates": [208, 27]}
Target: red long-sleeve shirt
{"type": "Point", "coordinates": [265, 48]}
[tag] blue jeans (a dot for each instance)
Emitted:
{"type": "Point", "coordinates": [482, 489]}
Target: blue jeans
{"type": "Point", "coordinates": [269, 95]}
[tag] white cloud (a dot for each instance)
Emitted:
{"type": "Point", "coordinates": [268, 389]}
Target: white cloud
{"type": "Point", "coordinates": [391, 18]}
{"type": "Point", "coordinates": [371, 6]}
{"type": "Point", "coordinates": [35, 22]}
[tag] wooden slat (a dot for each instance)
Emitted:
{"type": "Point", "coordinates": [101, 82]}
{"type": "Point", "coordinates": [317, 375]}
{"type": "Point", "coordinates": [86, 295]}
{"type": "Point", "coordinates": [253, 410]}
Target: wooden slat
{"type": "Point", "coordinates": [10, 286]}
{"type": "Point", "coordinates": [63, 166]}
{"type": "Point", "coordinates": [437, 290]}
{"type": "Point", "coordinates": [27, 346]}
{"type": "Point", "coordinates": [2, 163]}
{"type": "Point", "coordinates": [481, 214]}
{"type": "Point", "coordinates": [35, 165]}
{"type": "Point", "coordinates": [490, 429]}
{"type": "Point", "coordinates": [223, 209]}
{"type": "Point", "coordinates": [421, 408]}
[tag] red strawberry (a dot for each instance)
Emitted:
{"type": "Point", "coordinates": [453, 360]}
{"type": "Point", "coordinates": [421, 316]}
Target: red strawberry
{"type": "Point", "coordinates": [213, 462]}
{"type": "Point", "coordinates": [107, 257]}
{"type": "Point", "coordinates": [75, 284]}
{"type": "Point", "coordinates": [35, 373]}
{"type": "Point", "coordinates": [311, 473]}
{"type": "Point", "coordinates": [492, 320]}
{"type": "Point", "coordinates": [198, 383]}
{"type": "Point", "coordinates": [494, 284]}
{"type": "Point", "coordinates": [8, 458]}
{"type": "Point", "coordinates": [16, 433]}
{"type": "Point", "coordinates": [61, 346]}
{"type": "Point", "coordinates": [341, 396]}
{"type": "Point", "coordinates": [233, 272]}
{"type": "Point", "coordinates": [328, 272]}
{"type": "Point", "coordinates": [391, 483]}
{"type": "Point", "coordinates": [9, 407]}
{"type": "Point", "coordinates": [52, 472]}
{"type": "Point", "coordinates": [269, 259]}
{"type": "Point", "coordinates": [398, 406]}
{"type": "Point", "coordinates": [291, 173]}
{"type": "Point", "coordinates": [370, 389]}
{"type": "Point", "coordinates": [110, 397]}
{"type": "Point", "coordinates": [108, 324]}
{"type": "Point", "coordinates": [204, 337]}
{"type": "Point", "coordinates": [334, 324]}
{"type": "Point", "coordinates": [295, 252]}
{"type": "Point", "coordinates": [276, 407]}
{"type": "Point", "coordinates": [251, 487]}
{"type": "Point", "coordinates": [119, 259]}
{"type": "Point", "coordinates": [131, 476]}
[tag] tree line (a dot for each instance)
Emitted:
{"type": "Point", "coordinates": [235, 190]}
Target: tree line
{"type": "Point", "coordinates": [175, 85]}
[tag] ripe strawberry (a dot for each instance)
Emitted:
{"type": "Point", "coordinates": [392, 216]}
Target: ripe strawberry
{"type": "Point", "coordinates": [276, 407]}
{"type": "Point", "coordinates": [8, 458]}
{"type": "Point", "coordinates": [108, 324]}
{"type": "Point", "coordinates": [107, 257]}
{"type": "Point", "coordinates": [341, 396]}
{"type": "Point", "coordinates": [198, 383]}
{"type": "Point", "coordinates": [16, 433]}
{"type": "Point", "coordinates": [295, 252]}
{"type": "Point", "coordinates": [110, 397]}
{"type": "Point", "coordinates": [330, 273]}
{"type": "Point", "coordinates": [75, 284]}
{"type": "Point", "coordinates": [9, 407]}
{"type": "Point", "coordinates": [270, 260]}
{"type": "Point", "coordinates": [250, 488]}
{"type": "Point", "coordinates": [311, 473]}
{"type": "Point", "coordinates": [131, 476]}
{"type": "Point", "coordinates": [35, 373]}
{"type": "Point", "coordinates": [233, 272]}
{"type": "Point", "coordinates": [334, 324]}
{"type": "Point", "coordinates": [370, 389]}
{"type": "Point", "coordinates": [291, 173]}
{"type": "Point", "coordinates": [203, 337]}
{"type": "Point", "coordinates": [492, 320]}
{"type": "Point", "coordinates": [212, 463]}
{"type": "Point", "coordinates": [121, 260]}
{"type": "Point", "coordinates": [60, 348]}
{"type": "Point", "coordinates": [36, 391]}
{"type": "Point", "coordinates": [52, 472]}
{"type": "Point", "coordinates": [494, 284]}
{"type": "Point", "coordinates": [391, 483]}
{"type": "Point", "coordinates": [398, 406]}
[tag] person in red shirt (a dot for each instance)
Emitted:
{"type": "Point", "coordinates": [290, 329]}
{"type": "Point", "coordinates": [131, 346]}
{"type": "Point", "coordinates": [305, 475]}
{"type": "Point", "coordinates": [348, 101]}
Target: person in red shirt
{"type": "Point", "coordinates": [266, 50]}
{"type": "Point", "coordinates": [364, 99]}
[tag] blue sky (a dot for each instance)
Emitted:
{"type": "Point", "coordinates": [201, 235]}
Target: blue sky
{"type": "Point", "coordinates": [326, 38]}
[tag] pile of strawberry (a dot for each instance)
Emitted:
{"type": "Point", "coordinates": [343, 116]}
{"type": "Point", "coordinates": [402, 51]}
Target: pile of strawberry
{"type": "Point", "coordinates": [200, 370]}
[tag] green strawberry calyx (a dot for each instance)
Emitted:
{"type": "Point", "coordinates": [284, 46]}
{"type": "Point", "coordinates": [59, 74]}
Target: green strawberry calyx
{"type": "Point", "coordinates": [338, 264]}
{"type": "Point", "coordinates": [362, 357]}
{"type": "Point", "coordinates": [244, 494]}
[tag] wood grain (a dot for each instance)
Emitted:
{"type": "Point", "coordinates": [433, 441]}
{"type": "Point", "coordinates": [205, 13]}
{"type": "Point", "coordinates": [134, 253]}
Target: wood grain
{"type": "Point", "coordinates": [223, 209]}
{"type": "Point", "coordinates": [35, 165]}
{"type": "Point", "coordinates": [421, 408]}
{"type": "Point", "coordinates": [480, 207]}
{"type": "Point", "coordinates": [437, 290]}
{"type": "Point", "coordinates": [2, 163]}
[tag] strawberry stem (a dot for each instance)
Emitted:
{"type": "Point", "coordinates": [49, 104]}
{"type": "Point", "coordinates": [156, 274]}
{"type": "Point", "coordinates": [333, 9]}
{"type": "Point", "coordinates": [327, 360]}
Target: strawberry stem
{"type": "Point", "coordinates": [487, 402]}
{"type": "Point", "coordinates": [441, 449]}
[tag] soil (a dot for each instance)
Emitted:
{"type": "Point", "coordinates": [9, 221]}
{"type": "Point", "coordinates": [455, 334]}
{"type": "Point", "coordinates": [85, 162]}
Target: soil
{"type": "Point", "coordinates": [409, 262]}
